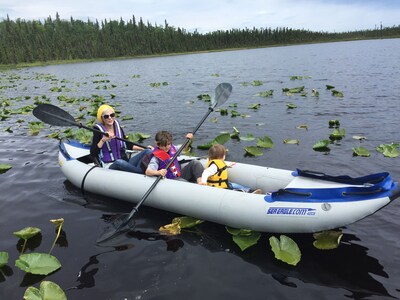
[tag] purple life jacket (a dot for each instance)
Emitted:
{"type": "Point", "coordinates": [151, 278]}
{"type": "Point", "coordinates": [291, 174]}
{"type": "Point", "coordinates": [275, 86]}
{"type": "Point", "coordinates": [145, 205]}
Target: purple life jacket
{"type": "Point", "coordinates": [112, 150]}
{"type": "Point", "coordinates": [164, 158]}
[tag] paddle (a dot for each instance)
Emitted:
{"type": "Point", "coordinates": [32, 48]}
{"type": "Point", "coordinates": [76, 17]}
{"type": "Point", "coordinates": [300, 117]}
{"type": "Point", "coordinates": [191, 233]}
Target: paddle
{"type": "Point", "coordinates": [53, 115]}
{"type": "Point", "coordinates": [123, 222]}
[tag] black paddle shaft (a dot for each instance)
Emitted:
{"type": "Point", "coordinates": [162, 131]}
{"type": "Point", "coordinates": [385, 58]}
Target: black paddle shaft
{"type": "Point", "coordinates": [136, 208]}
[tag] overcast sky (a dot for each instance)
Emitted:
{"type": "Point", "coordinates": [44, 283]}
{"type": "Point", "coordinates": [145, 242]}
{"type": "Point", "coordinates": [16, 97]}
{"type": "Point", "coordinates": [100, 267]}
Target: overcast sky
{"type": "Point", "coordinates": [211, 15]}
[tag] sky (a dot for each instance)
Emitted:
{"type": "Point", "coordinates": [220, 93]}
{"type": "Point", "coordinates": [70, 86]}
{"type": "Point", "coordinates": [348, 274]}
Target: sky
{"type": "Point", "coordinates": [211, 15]}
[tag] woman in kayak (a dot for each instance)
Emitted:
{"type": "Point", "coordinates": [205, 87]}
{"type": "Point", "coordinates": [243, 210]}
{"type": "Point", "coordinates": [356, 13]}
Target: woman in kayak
{"type": "Point", "coordinates": [111, 151]}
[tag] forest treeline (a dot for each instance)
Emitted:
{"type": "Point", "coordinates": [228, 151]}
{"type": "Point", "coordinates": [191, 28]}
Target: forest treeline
{"type": "Point", "coordinates": [24, 41]}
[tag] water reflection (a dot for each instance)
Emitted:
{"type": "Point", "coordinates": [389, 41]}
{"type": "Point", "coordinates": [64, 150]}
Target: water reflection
{"type": "Point", "coordinates": [348, 267]}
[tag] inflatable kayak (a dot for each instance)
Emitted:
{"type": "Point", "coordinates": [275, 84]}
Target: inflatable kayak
{"type": "Point", "coordinates": [294, 201]}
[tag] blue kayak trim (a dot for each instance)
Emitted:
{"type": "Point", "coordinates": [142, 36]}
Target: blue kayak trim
{"type": "Point", "coordinates": [73, 143]}
{"type": "Point", "coordinates": [385, 187]}
{"type": "Point", "coordinates": [345, 179]}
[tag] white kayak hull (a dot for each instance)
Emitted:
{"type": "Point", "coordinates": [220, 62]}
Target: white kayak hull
{"type": "Point", "coordinates": [259, 212]}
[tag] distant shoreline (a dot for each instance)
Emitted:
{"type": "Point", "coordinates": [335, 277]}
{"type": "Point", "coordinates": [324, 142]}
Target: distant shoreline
{"type": "Point", "coordinates": [74, 61]}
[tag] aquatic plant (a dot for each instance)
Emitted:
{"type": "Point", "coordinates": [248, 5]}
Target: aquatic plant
{"type": "Point", "coordinates": [389, 150]}
{"type": "Point", "coordinates": [295, 90]}
{"type": "Point", "coordinates": [244, 238]}
{"type": "Point", "coordinates": [265, 142]}
{"type": "Point", "coordinates": [4, 168]}
{"type": "Point", "coordinates": [48, 291]}
{"type": "Point", "coordinates": [322, 146]}
{"type": "Point", "coordinates": [253, 151]}
{"type": "Point", "coordinates": [334, 123]}
{"type": "Point", "coordinates": [204, 97]}
{"type": "Point", "coordinates": [291, 142]}
{"type": "Point", "coordinates": [359, 137]}
{"type": "Point", "coordinates": [327, 240]}
{"type": "Point", "coordinates": [291, 106]}
{"type": "Point", "coordinates": [25, 234]}
{"type": "Point", "coordinates": [38, 263]}
{"type": "Point", "coordinates": [220, 139]}
{"type": "Point", "coordinates": [179, 223]}
{"type": "Point", "coordinates": [58, 223]}
{"type": "Point", "coordinates": [257, 83]}
{"type": "Point", "coordinates": [285, 249]}
{"type": "Point", "coordinates": [337, 94]}
{"type": "Point", "coordinates": [266, 93]}
{"type": "Point", "coordinates": [247, 137]}
{"type": "Point", "coordinates": [361, 151]}
{"type": "Point", "coordinates": [337, 134]}
{"type": "Point", "coordinates": [254, 106]}
{"type": "Point", "coordinates": [302, 126]}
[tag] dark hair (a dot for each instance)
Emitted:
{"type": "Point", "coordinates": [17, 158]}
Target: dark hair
{"type": "Point", "coordinates": [163, 138]}
{"type": "Point", "coordinates": [216, 151]}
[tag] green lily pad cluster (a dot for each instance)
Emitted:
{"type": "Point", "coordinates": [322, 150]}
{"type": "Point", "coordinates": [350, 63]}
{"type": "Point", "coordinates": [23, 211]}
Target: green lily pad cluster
{"type": "Point", "coordinates": [37, 264]}
{"type": "Point", "coordinates": [284, 248]}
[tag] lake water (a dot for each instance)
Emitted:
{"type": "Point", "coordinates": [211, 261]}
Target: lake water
{"type": "Point", "coordinates": [206, 264]}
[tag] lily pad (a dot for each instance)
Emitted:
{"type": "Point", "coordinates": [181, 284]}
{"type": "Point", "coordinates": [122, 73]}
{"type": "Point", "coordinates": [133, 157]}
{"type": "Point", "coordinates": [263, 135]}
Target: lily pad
{"type": "Point", "coordinates": [334, 123]}
{"type": "Point", "coordinates": [253, 151]}
{"type": "Point", "coordinates": [235, 134]}
{"type": "Point", "coordinates": [3, 259]}
{"type": "Point", "coordinates": [291, 142]}
{"type": "Point", "coordinates": [265, 142]}
{"type": "Point", "coordinates": [244, 238]}
{"type": "Point", "coordinates": [361, 151]}
{"type": "Point", "coordinates": [38, 263]}
{"type": "Point", "coordinates": [337, 134]}
{"type": "Point", "coordinates": [359, 137]}
{"type": "Point", "coordinates": [337, 94]}
{"type": "Point", "coordinates": [48, 290]}
{"type": "Point", "coordinates": [302, 126]}
{"type": "Point", "coordinates": [187, 222]}
{"type": "Point", "coordinates": [389, 150]}
{"type": "Point", "coordinates": [171, 229]}
{"type": "Point", "coordinates": [293, 90]}
{"type": "Point", "coordinates": [4, 168]}
{"type": "Point", "coordinates": [285, 249]}
{"type": "Point", "coordinates": [291, 106]}
{"type": "Point", "coordinates": [266, 93]}
{"type": "Point", "coordinates": [327, 240]}
{"type": "Point", "coordinates": [321, 145]}
{"type": "Point", "coordinates": [57, 222]}
{"type": "Point", "coordinates": [247, 137]}
{"type": "Point", "coordinates": [27, 232]}
{"type": "Point", "coordinates": [221, 139]}
{"type": "Point", "coordinates": [254, 106]}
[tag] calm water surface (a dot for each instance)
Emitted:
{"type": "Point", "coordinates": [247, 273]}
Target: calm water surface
{"type": "Point", "coordinates": [206, 264]}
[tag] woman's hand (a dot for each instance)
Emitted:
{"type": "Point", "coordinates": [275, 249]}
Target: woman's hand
{"type": "Point", "coordinates": [189, 135]}
{"type": "Point", "coordinates": [108, 138]}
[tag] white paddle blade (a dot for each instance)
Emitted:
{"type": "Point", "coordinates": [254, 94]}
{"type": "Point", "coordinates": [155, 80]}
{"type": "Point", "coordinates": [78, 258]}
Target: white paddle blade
{"type": "Point", "coordinates": [222, 93]}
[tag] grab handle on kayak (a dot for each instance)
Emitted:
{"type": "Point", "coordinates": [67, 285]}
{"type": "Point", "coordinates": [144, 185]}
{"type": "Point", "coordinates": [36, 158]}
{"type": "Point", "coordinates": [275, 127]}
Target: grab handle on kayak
{"type": "Point", "coordinates": [362, 193]}
{"type": "Point", "coordinates": [283, 191]}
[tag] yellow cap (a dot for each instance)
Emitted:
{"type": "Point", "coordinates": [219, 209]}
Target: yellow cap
{"type": "Point", "coordinates": [102, 109]}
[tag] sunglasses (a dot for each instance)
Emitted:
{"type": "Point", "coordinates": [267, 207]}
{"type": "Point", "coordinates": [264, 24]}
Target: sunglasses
{"type": "Point", "coordinates": [109, 116]}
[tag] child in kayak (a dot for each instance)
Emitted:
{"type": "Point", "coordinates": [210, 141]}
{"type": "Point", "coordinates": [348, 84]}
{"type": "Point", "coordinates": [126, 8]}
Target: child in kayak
{"type": "Point", "coordinates": [216, 173]}
{"type": "Point", "coordinates": [161, 156]}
